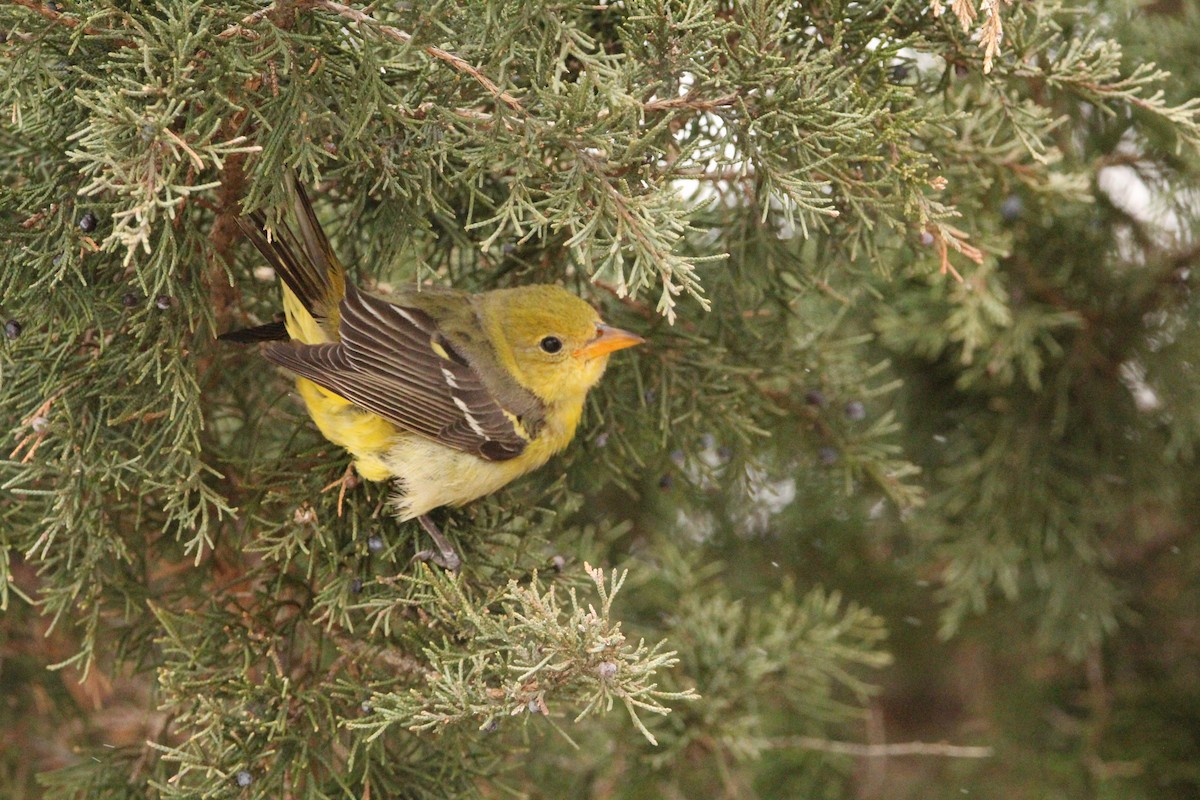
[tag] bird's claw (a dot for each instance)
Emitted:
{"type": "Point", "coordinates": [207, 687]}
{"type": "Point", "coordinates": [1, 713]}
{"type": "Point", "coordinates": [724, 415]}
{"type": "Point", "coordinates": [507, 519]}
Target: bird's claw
{"type": "Point", "coordinates": [444, 556]}
{"type": "Point", "coordinates": [447, 560]}
{"type": "Point", "coordinates": [349, 480]}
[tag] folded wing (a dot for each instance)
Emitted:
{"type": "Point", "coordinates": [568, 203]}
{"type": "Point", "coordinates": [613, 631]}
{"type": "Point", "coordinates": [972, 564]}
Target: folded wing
{"type": "Point", "coordinates": [394, 361]}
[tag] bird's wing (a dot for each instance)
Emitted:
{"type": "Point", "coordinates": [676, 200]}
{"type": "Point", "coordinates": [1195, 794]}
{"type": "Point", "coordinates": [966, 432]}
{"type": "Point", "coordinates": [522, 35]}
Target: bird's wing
{"type": "Point", "coordinates": [394, 361]}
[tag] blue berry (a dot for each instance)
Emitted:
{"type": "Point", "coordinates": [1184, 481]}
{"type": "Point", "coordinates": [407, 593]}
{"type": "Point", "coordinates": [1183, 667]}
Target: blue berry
{"type": "Point", "coordinates": [1011, 208]}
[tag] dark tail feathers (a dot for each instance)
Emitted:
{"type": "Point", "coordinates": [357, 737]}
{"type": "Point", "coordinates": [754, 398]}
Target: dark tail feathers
{"type": "Point", "coordinates": [301, 255]}
{"type": "Point", "coordinates": [270, 332]}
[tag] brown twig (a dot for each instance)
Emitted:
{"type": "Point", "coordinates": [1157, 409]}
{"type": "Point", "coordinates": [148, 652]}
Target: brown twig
{"type": "Point", "coordinates": [45, 11]}
{"type": "Point", "coordinates": [728, 174]}
{"type": "Point", "coordinates": [38, 425]}
{"type": "Point", "coordinates": [60, 18]}
{"type": "Point", "coordinates": [242, 28]}
{"type": "Point", "coordinates": [686, 101]}
{"type": "Point", "coordinates": [225, 232]}
{"type": "Point", "coordinates": [946, 237]}
{"type": "Point", "coordinates": [882, 750]}
{"type": "Point", "coordinates": [349, 480]}
{"type": "Point", "coordinates": [944, 257]}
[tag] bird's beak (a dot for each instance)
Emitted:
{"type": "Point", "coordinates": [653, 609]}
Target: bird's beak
{"type": "Point", "coordinates": [608, 339]}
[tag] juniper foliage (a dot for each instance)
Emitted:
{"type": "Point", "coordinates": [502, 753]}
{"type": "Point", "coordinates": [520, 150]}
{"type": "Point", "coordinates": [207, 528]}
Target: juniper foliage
{"type": "Point", "coordinates": [916, 371]}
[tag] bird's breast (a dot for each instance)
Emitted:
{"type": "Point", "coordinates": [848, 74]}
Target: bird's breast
{"type": "Point", "coordinates": [431, 475]}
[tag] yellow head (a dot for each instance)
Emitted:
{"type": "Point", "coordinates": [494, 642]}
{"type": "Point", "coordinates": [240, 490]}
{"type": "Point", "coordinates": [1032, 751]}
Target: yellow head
{"type": "Point", "coordinates": [556, 345]}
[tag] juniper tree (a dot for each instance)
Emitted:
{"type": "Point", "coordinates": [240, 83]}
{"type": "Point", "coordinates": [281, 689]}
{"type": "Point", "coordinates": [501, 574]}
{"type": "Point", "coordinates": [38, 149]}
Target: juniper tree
{"type": "Point", "coordinates": [916, 370]}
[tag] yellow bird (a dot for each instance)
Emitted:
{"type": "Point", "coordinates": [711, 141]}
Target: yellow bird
{"type": "Point", "coordinates": [451, 393]}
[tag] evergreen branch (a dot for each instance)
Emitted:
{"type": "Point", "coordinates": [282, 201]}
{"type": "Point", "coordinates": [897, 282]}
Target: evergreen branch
{"type": "Point", "coordinates": [243, 28]}
{"type": "Point", "coordinates": [47, 12]}
{"type": "Point", "coordinates": [469, 114]}
{"type": "Point", "coordinates": [991, 33]}
{"type": "Point", "coordinates": [391, 32]}
{"type": "Point", "coordinates": [1092, 68]}
{"type": "Point", "coordinates": [537, 651]}
{"type": "Point", "coordinates": [60, 18]}
{"type": "Point", "coordinates": [300, 658]}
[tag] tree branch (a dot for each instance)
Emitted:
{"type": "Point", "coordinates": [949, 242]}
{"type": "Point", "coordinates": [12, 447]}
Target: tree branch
{"type": "Point", "coordinates": [62, 19]}
{"type": "Point", "coordinates": [686, 101]}
{"type": "Point", "coordinates": [404, 37]}
{"type": "Point", "coordinates": [243, 28]}
{"type": "Point", "coordinates": [45, 11]}
{"type": "Point", "coordinates": [881, 750]}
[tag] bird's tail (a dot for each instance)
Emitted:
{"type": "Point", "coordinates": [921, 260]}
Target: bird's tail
{"type": "Point", "coordinates": [314, 281]}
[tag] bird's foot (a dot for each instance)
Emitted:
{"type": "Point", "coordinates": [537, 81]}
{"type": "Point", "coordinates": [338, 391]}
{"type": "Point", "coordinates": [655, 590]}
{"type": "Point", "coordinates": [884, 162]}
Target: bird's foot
{"type": "Point", "coordinates": [444, 556]}
{"type": "Point", "coordinates": [348, 480]}
{"type": "Point", "coordinates": [451, 564]}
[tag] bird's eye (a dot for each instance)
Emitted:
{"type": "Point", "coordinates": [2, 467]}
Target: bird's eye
{"type": "Point", "coordinates": [550, 344]}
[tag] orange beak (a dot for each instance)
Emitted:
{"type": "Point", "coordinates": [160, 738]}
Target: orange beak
{"type": "Point", "coordinates": [608, 339]}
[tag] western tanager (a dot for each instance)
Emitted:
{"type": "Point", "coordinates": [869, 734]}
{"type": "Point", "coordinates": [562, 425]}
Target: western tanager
{"type": "Point", "coordinates": [453, 394]}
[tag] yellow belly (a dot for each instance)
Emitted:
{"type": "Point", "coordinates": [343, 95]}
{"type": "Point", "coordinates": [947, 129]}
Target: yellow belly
{"type": "Point", "coordinates": [367, 436]}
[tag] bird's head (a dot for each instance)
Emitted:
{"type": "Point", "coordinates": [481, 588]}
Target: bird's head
{"type": "Point", "coordinates": [557, 345]}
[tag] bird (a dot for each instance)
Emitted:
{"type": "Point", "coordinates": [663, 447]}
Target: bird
{"type": "Point", "coordinates": [450, 394]}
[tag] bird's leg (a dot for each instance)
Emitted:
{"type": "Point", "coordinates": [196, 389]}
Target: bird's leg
{"type": "Point", "coordinates": [445, 557]}
{"type": "Point", "coordinates": [348, 481]}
